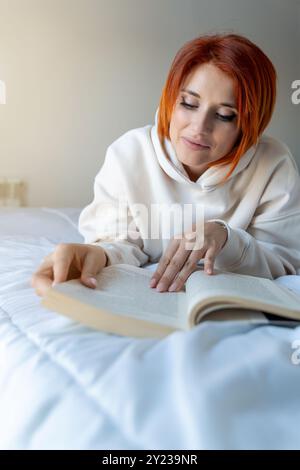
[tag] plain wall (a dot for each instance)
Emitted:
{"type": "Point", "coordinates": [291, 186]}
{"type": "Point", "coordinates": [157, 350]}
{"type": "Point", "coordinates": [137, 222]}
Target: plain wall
{"type": "Point", "coordinates": [79, 73]}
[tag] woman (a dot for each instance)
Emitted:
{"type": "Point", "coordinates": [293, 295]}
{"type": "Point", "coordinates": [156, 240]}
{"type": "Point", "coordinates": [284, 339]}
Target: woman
{"type": "Point", "coordinates": [206, 149]}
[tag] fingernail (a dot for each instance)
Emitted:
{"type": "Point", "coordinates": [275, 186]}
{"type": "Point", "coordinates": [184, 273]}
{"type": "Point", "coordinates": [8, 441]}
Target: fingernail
{"type": "Point", "coordinates": [159, 287]}
{"type": "Point", "coordinates": [54, 283]}
{"type": "Point", "coordinates": [152, 282]}
{"type": "Point", "coordinates": [209, 271]}
{"type": "Point", "coordinates": [93, 281]}
{"type": "Point", "coordinates": [172, 287]}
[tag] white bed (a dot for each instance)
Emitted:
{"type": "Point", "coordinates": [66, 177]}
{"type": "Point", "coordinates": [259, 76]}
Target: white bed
{"type": "Point", "coordinates": [63, 386]}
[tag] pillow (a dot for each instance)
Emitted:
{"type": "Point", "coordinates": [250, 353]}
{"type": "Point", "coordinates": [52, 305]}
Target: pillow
{"type": "Point", "coordinates": [58, 225]}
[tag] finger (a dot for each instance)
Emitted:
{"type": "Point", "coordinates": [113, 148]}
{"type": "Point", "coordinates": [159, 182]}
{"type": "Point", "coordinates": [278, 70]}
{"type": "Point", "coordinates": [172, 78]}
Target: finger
{"type": "Point", "coordinates": [189, 266]}
{"type": "Point", "coordinates": [62, 259]}
{"type": "Point", "coordinates": [209, 259]}
{"type": "Point", "coordinates": [172, 270]}
{"type": "Point", "coordinates": [46, 262]}
{"type": "Point", "coordinates": [91, 267]}
{"type": "Point", "coordinates": [44, 269]}
{"type": "Point", "coordinates": [41, 283]}
{"type": "Point", "coordinates": [163, 262]}
{"type": "Point", "coordinates": [48, 258]}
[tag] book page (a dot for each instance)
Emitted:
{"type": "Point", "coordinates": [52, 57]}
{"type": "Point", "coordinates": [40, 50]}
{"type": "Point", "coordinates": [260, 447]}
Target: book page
{"type": "Point", "coordinates": [243, 315]}
{"type": "Point", "coordinates": [240, 289]}
{"type": "Point", "coordinates": [124, 290]}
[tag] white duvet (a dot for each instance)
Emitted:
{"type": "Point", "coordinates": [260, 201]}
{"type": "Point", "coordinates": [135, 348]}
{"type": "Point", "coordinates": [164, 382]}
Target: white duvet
{"type": "Point", "coordinates": [223, 385]}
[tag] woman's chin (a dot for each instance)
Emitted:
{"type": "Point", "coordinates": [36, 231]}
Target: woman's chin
{"type": "Point", "coordinates": [192, 161]}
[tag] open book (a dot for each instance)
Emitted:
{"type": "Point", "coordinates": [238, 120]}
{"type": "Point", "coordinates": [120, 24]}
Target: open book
{"type": "Point", "coordinates": [124, 304]}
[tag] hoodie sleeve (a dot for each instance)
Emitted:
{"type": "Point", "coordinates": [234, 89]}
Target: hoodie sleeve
{"type": "Point", "coordinates": [107, 221]}
{"type": "Point", "coordinates": [270, 247]}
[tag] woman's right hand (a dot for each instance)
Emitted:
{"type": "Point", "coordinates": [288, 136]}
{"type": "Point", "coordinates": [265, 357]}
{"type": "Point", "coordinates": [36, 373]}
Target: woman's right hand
{"type": "Point", "coordinates": [69, 261]}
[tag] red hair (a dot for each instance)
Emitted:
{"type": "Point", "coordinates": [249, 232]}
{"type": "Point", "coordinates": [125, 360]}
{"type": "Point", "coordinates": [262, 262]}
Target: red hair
{"type": "Point", "coordinates": [254, 79]}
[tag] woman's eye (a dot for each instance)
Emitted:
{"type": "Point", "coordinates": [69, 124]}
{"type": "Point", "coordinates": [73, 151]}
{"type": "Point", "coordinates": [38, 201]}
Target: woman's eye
{"type": "Point", "coordinates": [226, 118]}
{"type": "Point", "coordinates": [187, 105]}
{"type": "Point", "coordinates": [221, 117]}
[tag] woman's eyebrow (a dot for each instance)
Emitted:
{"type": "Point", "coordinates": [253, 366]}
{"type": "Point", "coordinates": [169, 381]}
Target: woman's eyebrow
{"type": "Point", "coordinates": [193, 93]}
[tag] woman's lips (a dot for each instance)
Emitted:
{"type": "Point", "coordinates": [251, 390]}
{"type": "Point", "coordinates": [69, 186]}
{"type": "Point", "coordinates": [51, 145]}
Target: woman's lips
{"type": "Point", "coordinates": [193, 146]}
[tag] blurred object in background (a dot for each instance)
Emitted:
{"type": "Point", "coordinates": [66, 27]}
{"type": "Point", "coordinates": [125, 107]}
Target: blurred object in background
{"type": "Point", "coordinates": [11, 192]}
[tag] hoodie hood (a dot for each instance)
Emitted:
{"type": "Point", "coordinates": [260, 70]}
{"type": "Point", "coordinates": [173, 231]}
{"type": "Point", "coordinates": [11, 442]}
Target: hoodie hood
{"type": "Point", "coordinates": [210, 179]}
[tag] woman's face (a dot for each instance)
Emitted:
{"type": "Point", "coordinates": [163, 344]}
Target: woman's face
{"type": "Point", "coordinates": [204, 113]}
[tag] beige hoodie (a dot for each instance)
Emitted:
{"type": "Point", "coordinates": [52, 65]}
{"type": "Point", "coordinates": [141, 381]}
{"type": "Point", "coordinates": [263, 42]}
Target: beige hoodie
{"type": "Point", "coordinates": [259, 204]}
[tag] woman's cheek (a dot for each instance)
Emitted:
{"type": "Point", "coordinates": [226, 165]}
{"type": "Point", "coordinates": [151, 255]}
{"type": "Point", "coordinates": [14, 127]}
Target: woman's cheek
{"type": "Point", "coordinates": [226, 141]}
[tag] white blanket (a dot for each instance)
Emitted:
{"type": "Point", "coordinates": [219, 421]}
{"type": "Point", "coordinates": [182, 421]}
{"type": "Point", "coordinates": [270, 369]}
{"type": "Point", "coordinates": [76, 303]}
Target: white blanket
{"type": "Point", "coordinates": [223, 385]}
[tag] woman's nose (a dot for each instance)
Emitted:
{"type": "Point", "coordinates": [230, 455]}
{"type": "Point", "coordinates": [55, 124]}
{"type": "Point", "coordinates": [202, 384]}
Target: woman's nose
{"type": "Point", "coordinates": [202, 123]}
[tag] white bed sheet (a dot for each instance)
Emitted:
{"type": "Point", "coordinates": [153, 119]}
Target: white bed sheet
{"type": "Point", "coordinates": [56, 224]}
{"type": "Point", "coordinates": [64, 386]}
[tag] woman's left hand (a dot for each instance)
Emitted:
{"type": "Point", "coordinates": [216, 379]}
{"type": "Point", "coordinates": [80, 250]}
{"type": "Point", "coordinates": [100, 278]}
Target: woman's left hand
{"type": "Point", "coordinates": [178, 262]}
